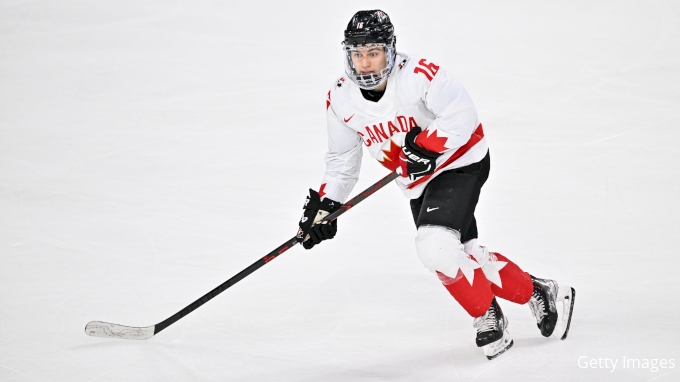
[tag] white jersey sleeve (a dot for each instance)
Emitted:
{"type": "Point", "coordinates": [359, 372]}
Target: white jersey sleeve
{"type": "Point", "coordinates": [343, 158]}
{"type": "Point", "coordinates": [453, 130]}
{"type": "Point", "coordinates": [456, 116]}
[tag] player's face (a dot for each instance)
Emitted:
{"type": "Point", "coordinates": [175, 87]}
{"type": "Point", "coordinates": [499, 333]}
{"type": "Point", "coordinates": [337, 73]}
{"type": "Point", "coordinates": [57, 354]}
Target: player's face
{"type": "Point", "coordinates": [369, 60]}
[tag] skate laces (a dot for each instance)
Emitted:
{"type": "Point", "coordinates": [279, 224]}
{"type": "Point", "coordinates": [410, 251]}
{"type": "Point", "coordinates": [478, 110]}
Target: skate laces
{"type": "Point", "coordinates": [487, 322]}
{"type": "Point", "coordinates": [537, 306]}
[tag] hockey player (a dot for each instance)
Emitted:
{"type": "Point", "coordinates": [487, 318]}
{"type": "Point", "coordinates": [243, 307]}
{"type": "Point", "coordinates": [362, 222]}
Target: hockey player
{"type": "Point", "coordinates": [415, 118]}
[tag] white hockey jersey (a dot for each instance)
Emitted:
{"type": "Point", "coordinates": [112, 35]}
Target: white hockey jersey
{"type": "Point", "coordinates": [418, 93]}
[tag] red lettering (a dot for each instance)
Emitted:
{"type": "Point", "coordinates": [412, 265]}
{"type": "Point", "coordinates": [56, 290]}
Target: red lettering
{"type": "Point", "coordinates": [328, 100]}
{"type": "Point", "coordinates": [418, 69]}
{"type": "Point", "coordinates": [366, 142]}
{"type": "Point", "coordinates": [371, 135]}
{"type": "Point", "coordinates": [411, 123]}
{"type": "Point", "coordinates": [402, 123]}
{"type": "Point", "coordinates": [377, 133]}
{"type": "Point", "coordinates": [429, 70]}
{"type": "Point", "coordinates": [380, 132]}
{"type": "Point", "coordinates": [393, 129]}
{"type": "Point", "coordinates": [433, 68]}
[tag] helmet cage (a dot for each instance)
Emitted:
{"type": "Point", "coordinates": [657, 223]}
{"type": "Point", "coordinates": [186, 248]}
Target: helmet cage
{"type": "Point", "coordinates": [372, 80]}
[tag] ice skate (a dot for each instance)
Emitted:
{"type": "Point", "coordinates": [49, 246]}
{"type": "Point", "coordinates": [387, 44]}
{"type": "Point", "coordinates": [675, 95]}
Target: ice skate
{"type": "Point", "coordinates": [492, 331]}
{"type": "Point", "coordinates": [552, 305]}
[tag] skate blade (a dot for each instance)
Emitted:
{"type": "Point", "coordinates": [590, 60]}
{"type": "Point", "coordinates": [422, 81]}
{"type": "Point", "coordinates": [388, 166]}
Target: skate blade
{"type": "Point", "coordinates": [566, 295]}
{"type": "Point", "coordinates": [499, 347]}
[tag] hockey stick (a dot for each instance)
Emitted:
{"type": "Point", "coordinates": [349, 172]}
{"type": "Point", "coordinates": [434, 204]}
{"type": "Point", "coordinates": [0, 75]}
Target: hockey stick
{"type": "Point", "coordinates": [108, 330]}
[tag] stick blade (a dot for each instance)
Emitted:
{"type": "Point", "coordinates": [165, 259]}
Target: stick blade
{"type": "Point", "coordinates": [108, 330]}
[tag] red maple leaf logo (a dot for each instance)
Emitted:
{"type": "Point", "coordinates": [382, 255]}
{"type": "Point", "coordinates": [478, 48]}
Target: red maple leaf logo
{"type": "Point", "coordinates": [391, 160]}
{"type": "Point", "coordinates": [430, 141]}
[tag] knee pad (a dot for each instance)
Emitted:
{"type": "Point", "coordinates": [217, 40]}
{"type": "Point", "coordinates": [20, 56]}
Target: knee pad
{"type": "Point", "coordinates": [488, 261]}
{"type": "Point", "coordinates": [480, 254]}
{"type": "Point", "coordinates": [440, 250]}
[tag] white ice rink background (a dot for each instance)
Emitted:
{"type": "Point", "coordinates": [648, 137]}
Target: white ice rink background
{"type": "Point", "coordinates": [150, 150]}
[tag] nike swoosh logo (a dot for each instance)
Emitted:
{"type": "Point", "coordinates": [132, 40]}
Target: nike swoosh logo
{"type": "Point", "coordinates": [347, 119]}
{"type": "Point", "coordinates": [432, 209]}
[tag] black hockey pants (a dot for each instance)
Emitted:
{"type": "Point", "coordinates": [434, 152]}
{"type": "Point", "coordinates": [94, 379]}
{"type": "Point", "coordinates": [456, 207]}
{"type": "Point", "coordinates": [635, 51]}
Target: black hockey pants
{"type": "Point", "coordinates": [450, 199]}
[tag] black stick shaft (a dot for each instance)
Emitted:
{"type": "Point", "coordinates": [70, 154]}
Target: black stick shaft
{"type": "Point", "coordinates": [270, 256]}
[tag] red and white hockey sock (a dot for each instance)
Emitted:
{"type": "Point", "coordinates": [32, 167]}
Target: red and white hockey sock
{"type": "Point", "coordinates": [516, 284]}
{"type": "Point", "coordinates": [475, 298]}
{"type": "Point", "coordinates": [440, 250]}
{"type": "Point", "coordinates": [507, 280]}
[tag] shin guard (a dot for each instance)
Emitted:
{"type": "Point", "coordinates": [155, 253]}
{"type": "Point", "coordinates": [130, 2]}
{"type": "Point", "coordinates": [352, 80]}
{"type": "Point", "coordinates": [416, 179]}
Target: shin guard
{"type": "Point", "coordinates": [507, 280]}
{"type": "Point", "coordinates": [516, 284]}
{"type": "Point", "coordinates": [440, 250]}
{"type": "Point", "coordinates": [475, 298]}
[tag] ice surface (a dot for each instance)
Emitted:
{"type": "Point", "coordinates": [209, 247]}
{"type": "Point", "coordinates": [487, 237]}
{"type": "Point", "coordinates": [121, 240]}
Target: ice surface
{"type": "Point", "coordinates": [129, 187]}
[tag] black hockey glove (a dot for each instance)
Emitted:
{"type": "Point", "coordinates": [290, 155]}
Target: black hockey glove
{"type": "Point", "coordinates": [414, 160]}
{"type": "Point", "coordinates": [311, 232]}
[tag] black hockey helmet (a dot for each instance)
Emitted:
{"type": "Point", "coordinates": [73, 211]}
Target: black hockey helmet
{"type": "Point", "coordinates": [369, 27]}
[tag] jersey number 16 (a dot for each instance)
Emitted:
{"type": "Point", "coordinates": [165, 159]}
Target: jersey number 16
{"type": "Point", "coordinates": [429, 70]}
